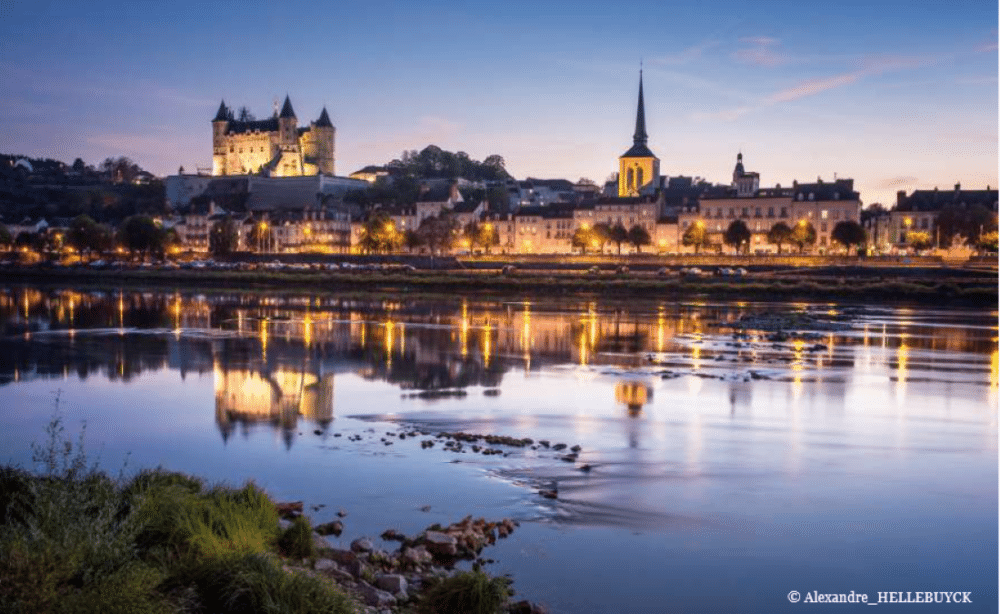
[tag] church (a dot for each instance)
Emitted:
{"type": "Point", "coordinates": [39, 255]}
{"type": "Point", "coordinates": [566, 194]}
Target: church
{"type": "Point", "coordinates": [638, 168]}
{"type": "Point", "coordinates": [274, 147]}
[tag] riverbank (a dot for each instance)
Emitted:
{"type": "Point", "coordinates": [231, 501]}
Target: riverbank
{"type": "Point", "coordinates": [927, 285]}
{"type": "Point", "coordinates": [76, 539]}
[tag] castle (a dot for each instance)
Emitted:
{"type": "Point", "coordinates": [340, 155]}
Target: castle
{"type": "Point", "coordinates": [276, 147]}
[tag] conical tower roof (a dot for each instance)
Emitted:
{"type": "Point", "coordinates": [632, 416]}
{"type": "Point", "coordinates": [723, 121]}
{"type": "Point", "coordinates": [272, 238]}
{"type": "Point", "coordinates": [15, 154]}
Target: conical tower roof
{"type": "Point", "coordinates": [640, 137]}
{"type": "Point", "coordinates": [286, 109]}
{"type": "Point", "coordinates": [639, 148]}
{"type": "Point", "coordinates": [324, 120]}
{"type": "Point", "coordinates": [223, 113]}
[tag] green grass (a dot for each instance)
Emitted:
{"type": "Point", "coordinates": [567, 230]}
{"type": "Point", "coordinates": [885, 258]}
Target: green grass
{"type": "Point", "coordinates": [76, 540]}
{"type": "Point", "coordinates": [471, 592]}
{"type": "Point", "coordinates": [297, 540]}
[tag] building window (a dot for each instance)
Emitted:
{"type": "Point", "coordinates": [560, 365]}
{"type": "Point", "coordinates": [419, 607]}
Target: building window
{"type": "Point", "coordinates": [770, 212]}
{"type": "Point", "coordinates": [746, 212]}
{"type": "Point", "coordinates": [823, 214]}
{"type": "Point", "coordinates": [822, 227]}
{"type": "Point", "coordinates": [732, 212]}
{"type": "Point", "coordinates": [758, 212]}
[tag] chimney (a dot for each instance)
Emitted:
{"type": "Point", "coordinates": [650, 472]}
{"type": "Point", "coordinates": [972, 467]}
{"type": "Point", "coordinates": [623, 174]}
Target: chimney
{"type": "Point", "coordinates": [900, 197]}
{"type": "Point", "coordinates": [958, 187]}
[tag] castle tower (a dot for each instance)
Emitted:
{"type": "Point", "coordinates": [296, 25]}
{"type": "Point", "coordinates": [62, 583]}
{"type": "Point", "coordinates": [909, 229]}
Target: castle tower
{"type": "Point", "coordinates": [287, 124]}
{"type": "Point", "coordinates": [638, 168]}
{"type": "Point", "coordinates": [747, 184]}
{"type": "Point", "coordinates": [219, 126]}
{"type": "Point", "coordinates": [324, 139]}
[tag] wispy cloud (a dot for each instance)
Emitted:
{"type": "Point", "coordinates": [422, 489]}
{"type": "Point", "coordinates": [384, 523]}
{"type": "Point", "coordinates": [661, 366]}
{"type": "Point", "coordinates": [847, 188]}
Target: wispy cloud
{"type": "Point", "coordinates": [685, 56]}
{"type": "Point", "coordinates": [760, 51]}
{"type": "Point", "coordinates": [891, 183]}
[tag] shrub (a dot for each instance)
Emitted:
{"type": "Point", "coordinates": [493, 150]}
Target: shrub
{"type": "Point", "coordinates": [213, 523]}
{"type": "Point", "coordinates": [297, 540]}
{"type": "Point", "coordinates": [257, 583]}
{"type": "Point", "coordinates": [466, 593]}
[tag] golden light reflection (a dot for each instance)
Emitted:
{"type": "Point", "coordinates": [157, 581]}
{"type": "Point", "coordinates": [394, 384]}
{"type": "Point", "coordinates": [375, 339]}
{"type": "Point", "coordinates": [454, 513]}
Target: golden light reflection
{"type": "Point", "coordinates": [661, 322]}
{"type": "Point", "coordinates": [390, 330]}
{"type": "Point", "coordinates": [487, 345]}
{"type": "Point", "coordinates": [307, 330]}
{"type": "Point", "coordinates": [121, 312]}
{"type": "Point", "coordinates": [902, 358]}
{"type": "Point", "coordinates": [464, 331]}
{"type": "Point", "coordinates": [263, 337]}
{"type": "Point", "coordinates": [994, 377]}
{"type": "Point", "coordinates": [583, 348]}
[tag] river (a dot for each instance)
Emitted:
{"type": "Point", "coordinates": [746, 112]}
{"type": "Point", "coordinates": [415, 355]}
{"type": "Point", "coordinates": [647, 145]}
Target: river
{"type": "Point", "coordinates": [720, 468]}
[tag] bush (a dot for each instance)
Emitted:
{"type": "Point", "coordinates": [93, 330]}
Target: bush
{"type": "Point", "coordinates": [466, 593]}
{"type": "Point", "coordinates": [297, 540]}
{"type": "Point", "coordinates": [257, 583]}
{"type": "Point", "coordinates": [213, 523]}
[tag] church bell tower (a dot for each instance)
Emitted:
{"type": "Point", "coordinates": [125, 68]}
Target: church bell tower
{"type": "Point", "coordinates": [638, 168]}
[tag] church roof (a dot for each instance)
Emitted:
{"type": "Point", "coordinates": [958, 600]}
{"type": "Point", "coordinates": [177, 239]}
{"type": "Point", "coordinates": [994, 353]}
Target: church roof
{"type": "Point", "coordinates": [223, 113]}
{"type": "Point", "coordinates": [324, 120]}
{"type": "Point", "coordinates": [286, 109]}
{"type": "Point", "coordinates": [640, 118]}
{"type": "Point", "coordinates": [639, 150]}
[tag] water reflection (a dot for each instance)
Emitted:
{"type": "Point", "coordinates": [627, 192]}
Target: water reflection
{"type": "Point", "coordinates": [274, 358]}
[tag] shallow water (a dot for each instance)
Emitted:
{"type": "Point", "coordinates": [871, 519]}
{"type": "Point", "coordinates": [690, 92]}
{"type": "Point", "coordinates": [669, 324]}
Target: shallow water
{"type": "Point", "coordinates": [858, 453]}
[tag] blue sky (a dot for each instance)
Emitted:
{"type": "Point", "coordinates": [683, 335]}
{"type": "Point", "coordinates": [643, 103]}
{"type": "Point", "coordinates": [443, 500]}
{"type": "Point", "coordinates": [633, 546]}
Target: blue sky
{"type": "Point", "coordinates": [897, 95]}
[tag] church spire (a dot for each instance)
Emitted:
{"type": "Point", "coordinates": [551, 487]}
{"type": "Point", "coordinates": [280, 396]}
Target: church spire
{"type": "Point", "coordinates": [639, 138]}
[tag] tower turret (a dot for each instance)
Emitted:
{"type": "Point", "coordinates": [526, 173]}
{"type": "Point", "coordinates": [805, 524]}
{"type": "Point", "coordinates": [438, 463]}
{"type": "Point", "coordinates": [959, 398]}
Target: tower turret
{"type": "Point", "coordinates": [219, 127]}
{"type": "Point", "coordinates": [324, 138]}
{"type": "Point", "coordinates": [287, 123]}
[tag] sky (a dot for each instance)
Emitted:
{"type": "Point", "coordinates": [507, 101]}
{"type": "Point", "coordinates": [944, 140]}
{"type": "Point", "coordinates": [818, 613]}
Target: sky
{"type": "Point", "coordinates": [898, 95]}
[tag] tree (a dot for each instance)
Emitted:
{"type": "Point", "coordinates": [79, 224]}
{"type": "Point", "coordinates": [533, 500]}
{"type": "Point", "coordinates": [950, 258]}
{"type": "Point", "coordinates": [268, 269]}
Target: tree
{"type": "Point", "coordinates": [5, 239]}
{"type": "Point", "coordinates": [602, 234]}
{"type": "Point", "coordinates": [224, 237]}
{"type": "Point", "coordinates": [987, 242]}
{"type": "Point", "coordinates": [79, 166]}
{"type": "Point", "coordinates": [483, 235]}
{"type": "Point", "coordinates": [779, 234]}
{"type": "Point", "coordinates": [120, 170]}
{"type": "Point", "coordinates": [379, 233]}
{"type": "Point", "coordinates": [438, 232]}
{"type": "Point", "coordinates": [618, 235]}
{"type": "Point", "coordinates": [695, 236]}
{"type": "Point", "coordinates": [139, 233]}
{"type": "Point", "coordinates": [849, 233]}
{"type": "Point", "coordinates": [84, 234]}
{"type": "Point", "coordinates": [31, 240]}
{"type": "Point", "coordinates": [412, 240]}
{"type": "Point", "coordinates": [737, 235]}
{"type": "Point", "coordinates": [260, 236]}
{"type": "Point", "coordinates": [639, 236]}
{"type": "Point", "coordinates": [582, 238]}
{"type": "Point", "coordinates": [803, 234]}
{"type": "Point", "coordinates": [919, 241]}
{"type": "Point", "coordinates": [969, 223]}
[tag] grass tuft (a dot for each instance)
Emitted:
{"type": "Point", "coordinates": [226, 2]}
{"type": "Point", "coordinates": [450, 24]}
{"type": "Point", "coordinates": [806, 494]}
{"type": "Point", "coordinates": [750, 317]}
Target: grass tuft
{"type": "Point", "coordinates": [297, 540]}
{"type": "Point", "coordinates": [470, 592]}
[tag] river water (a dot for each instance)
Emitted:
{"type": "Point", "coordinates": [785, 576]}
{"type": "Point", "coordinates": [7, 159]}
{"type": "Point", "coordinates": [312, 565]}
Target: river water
{"type": "Point", "coordinates": [720, 468]}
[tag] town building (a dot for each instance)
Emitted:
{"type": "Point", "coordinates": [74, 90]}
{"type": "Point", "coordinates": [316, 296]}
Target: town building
{"type": "Point", "coordinates": [821, 204]}
{"type": "Point", "coordinates": [893, 230]}
{"type": "Point", "coordinates": [276, 146]}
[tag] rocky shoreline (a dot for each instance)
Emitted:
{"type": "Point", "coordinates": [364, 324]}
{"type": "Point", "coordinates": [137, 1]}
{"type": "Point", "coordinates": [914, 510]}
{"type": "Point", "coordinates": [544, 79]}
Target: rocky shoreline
{"type": "Point", "coordinates": [396, 581]}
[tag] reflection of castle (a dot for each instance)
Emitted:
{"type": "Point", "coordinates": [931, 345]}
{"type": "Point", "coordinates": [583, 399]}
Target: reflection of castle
{"type": "Point", "coordinates": [633, 395]}
{"type": "Point", "coordinates": [278, 397]}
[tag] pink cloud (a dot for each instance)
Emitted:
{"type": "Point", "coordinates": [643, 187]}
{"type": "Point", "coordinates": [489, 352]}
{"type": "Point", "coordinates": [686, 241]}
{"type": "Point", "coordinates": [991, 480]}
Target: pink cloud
{"type": "Point", "coordinates": [760, 52]}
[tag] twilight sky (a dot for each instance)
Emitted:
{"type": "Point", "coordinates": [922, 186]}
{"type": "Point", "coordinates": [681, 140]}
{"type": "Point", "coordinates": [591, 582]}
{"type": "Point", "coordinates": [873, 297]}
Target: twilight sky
{"type": "Point", "coordinates": [894, 93]}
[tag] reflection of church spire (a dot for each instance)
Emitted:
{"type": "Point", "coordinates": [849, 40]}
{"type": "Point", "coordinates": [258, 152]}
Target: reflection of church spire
{"type": "Point", "coordinates": [640, 137]}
